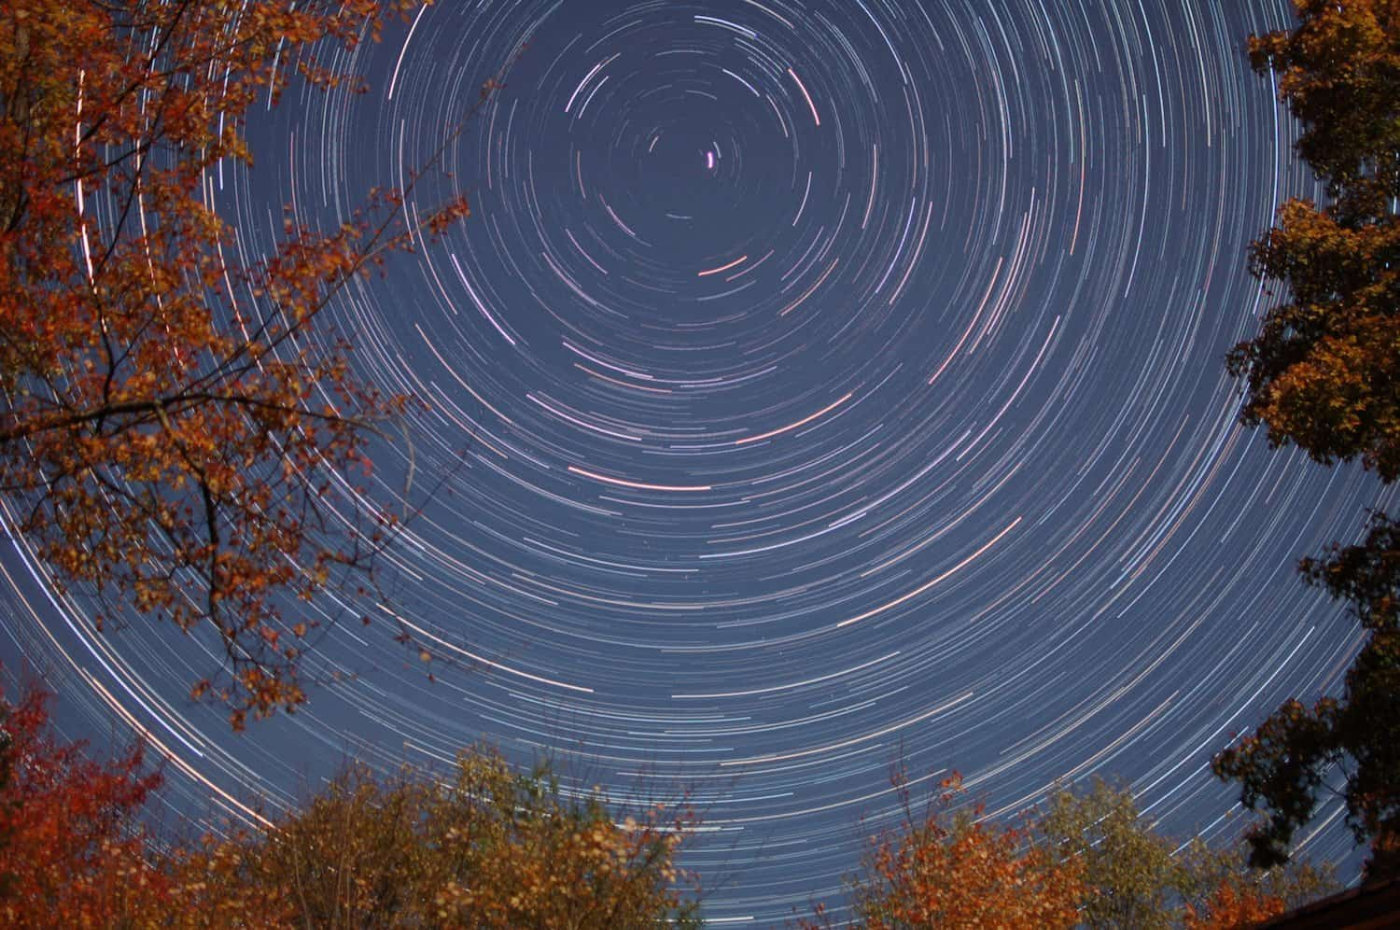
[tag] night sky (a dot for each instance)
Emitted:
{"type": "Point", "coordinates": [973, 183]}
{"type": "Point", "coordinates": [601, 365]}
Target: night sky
{"type": "Point", "coordinates": [816, 385]}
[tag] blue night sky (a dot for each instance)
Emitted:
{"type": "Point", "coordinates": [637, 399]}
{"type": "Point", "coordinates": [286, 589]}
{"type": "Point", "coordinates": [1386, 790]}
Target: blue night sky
{"type": "Point", "coordinates": [815, 385]}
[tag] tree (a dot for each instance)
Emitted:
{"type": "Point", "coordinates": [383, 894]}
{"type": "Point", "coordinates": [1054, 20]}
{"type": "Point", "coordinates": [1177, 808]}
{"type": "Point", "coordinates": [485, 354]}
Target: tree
{"type": "Point", "coordinates": [1231, 907]}
{"type": "Point", "coordinates": [954, 869]}
{"type": "Point", "coordinates": [1129, 867]}
{"type": "Point", "coordinates": [173, 416]}
{"type": "Point", "coordinates": [1287, 762]}
{"type": "Point", "coordinates": [71, 853]}
{"type": "Point", "coordinates": [489, 849]}
{"type": "Point", "coordinates": [486, 849]}
{"type": "Point", "coordinates": [1085, 859]}
{"type": "Point", "coordinates": [7, 776]}
{"type": "Point", "coordinates": [1324, 373]}
{"type": "Point", "coordinates": [1140, 879]}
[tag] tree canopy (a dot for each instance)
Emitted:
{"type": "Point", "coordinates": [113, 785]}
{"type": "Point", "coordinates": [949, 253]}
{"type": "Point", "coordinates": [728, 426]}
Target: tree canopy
{"type": "Point", "coordinates": [1138, 878]}
{"type": "Point", "coordinates": [172, 413]}
{"type": "Point", "coordinates": [1324, 371]}
{"type": "Point", "coordinates": [1323, 374]}
{"type": "Point", "coordinates": [945, 867]}
{"type": "Point", "coordinates": [1285, 765]}
{"type": "Point", "coordinates": [72, 853]}
{"type": "Point", "coordinates": [477, 846]}
{"type": "Point", "coordinates": [1085, 859]}
{"type": "Point", "coordinates": [481, 848]}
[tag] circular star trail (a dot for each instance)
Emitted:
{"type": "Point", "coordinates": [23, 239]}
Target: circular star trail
{"type": "Point", "coordinates": [815, 387]}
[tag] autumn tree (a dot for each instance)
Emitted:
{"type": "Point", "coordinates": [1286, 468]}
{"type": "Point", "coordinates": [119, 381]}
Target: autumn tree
{"type": "Point", "coordinates": [1129, 867]}
{"type": "Point", "coordinates": [72, 853]}
{"type": "Point", "coordinates": [1324, 374]}
{"type": "Point", "coordinates": [1233, 906]}
{"type": "Point", "coordinates": [479, 846]}
{"type": "Point", "coordinates": [1138, 878]}
{"type": "Point", "coordinates": [1083, 859]}
{"type": "Point", "coordinates": [175, 413]}
{"type": "Point", "coordinates": [485, 849]}
{"type": "Point", "coordinates": [946, 867]}
{"type": "Point", "coordinates": [7, 774]}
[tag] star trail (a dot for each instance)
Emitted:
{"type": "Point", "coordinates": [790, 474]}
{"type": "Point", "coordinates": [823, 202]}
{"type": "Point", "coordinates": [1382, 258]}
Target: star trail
{"type": "Point", "coordinates": [815, 386]}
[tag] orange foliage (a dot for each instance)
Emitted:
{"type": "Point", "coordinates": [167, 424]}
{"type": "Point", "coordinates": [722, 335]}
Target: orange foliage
{"type": "Point", "coordinates": [170, 416]}
{"type": "Point", "coordinates": [70, 855]}
{"type": "Point", "coordinates": [1233, 905]}
{"type": "Point", "coordinates": [486, 849]}
{"type": "Point", "coordinates": [962, 872]}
